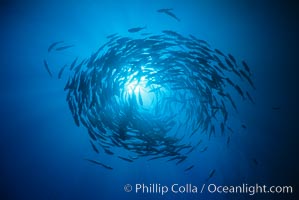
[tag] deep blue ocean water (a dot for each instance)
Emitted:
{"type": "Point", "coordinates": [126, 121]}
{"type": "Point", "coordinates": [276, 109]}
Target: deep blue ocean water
{"type": "Point", "coordinates": [42, 151]}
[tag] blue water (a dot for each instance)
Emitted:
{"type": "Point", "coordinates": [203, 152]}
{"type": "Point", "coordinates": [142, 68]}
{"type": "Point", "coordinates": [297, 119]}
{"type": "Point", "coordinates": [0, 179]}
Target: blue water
{"type": "Point", "coordinates": [42, 151]}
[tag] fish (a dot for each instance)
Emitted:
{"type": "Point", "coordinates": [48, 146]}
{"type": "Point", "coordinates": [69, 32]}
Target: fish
{"type": "Point", "coordinates": [189, 168]}
{"type": "Point", "coordinates": [174, 158]}
{"type": "Point", "coordinates": [91, 134]}
{"type": "Point", "coordinates": [230, 82]}
{"type": "Point", "coordinates": [247, 78]}
{"type": "Point", "coordinates": [224, 113]}
{"type": "Point", "coordinates": [211, 174]}
{"type": "Point", "coordinates": [199, 142]}
{"type": "Point", "coordinates": [107, 151]}
{"type": "Point", "coordinates": [50, 48]}
{"type": "Point", "coordinates": [246, 67]}
{"type": "Point", "coordinates": [221, 65]}
{"type": "Point", "coordinates": [78, 67]}
{"type": "Point", "coordinates": [222, 128]}
{"type": "Point", "coordinates": [198, 40]}
{"type": "Point", "coordinates": [111, 35]}
{"type": "Point", "coordinates": [61, 71]}
{"type": "Point", "coordinates": [239, 91]}
{"type": "Point", "coordinates": [137, 29]}
{"type": "Point", "coordinates": [164, 10]}
{"type": "Point", "coordinates": [47, 68]}
{"type": "Point", "coordinates": [237, 73]}
{"type": "Point", "coordinates": [190, 150]}
{"type": "Point", "coordinates": [98, 163]}
{"type": "Point", "coordinates": [244, 126]}
{"type": "Point", "coordinates": [94, 147]}
{"type": "Point", "coordinates": [204, 149]}
{"type": "Point", "coordinates": [255, 161]}
{"type": "Point", "coordinates": [166, 73]}
{"type": "Point", "coordinates": [212, 131]}
{"type": "Point", "coordinates": [158, 157]}
{"type": "Point", "coordinates": [250, 98]}
{"type": "Point", "coordinates": [229, 63]}
{"type": "Point", "coordinates": [230, 129]}
{"type": "Point", "coordinates": [73, 63]}
{"type": "Point", "coordinates": [169, 13]}
{"type": "Point", "coordinates": [195, 130]}
{"type": "Point", "coordinates": [64, 47]}
{"type": "Point", "coordinates": [182, 159]}
{"type": "Point", "coordinates": [125, 159]}
{"type": "Point", "coordinates": [232, 102]}
{"type": "Point", "coordinates": [232, 58]}
{"type": "Point", "coordinates": [228, 140]}
{"type": "Point", "coordinates": [219, 52]}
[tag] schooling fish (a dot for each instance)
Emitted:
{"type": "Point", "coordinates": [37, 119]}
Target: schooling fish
{"type": "Point", "coordinates": [229, 63]}
{"type": "Point", "coordinates": [250, 98]}
{"type": "Point", "coordinates": [169, 13]}
{"type": "Point", "coordinates": [164, 10]}
{"type": "Point", "coordinates": [183, 158]}
{"type": "Point", "coordinates": [211, 174]}
{"type": "Point", "coordinates": [125, 159]}
{"type": "Point", "coordinates": [222, 128]}
{"type": "Point", "coordinates": [91, 134]}
{"type": "Point", "coordinates": [212, 131]}
{"type": "Point", "coordinates": [219, 52]}
{"type": "Point", "coordinates": [174, 158]}
{"type": "Point", "coordinates": [230, 129]}
{"type": "Point", "coordinates": [64, 47]}
{"type": "Point", "coordinates": [204, 149]}
{"type": "Point", "coordinates": [239, 91]}
{"type": "Point", "coordinates": [111, 35]}
{"type": "Point", "coordinates": [232, 58]}
{"type": "Point", "coordinates": [94, 147]}
{"type": "Point", "coordinates": [137, 29]}
{"type": "Point", "coordinates": [187, 169]}
{"type": "Point", "coordinates": [108, 152]}
{"type": "Point", "coordinates": [47, 68]}
{"type": "Point", "coordinates": [61, 71]}
{"type": "Point", "coordinates": [73, 63]}
{"type": "Point", "coordinates": [98, 163]}
{"type": "Point", "coordinates": [230, 82]}
{"type": "Point", "coordinates": [246, 67]}
{"type": "Point", "coordinates": [228, 140]}
{"type": "Point", "coordinates": [76, 119]}
{"type": "Point", "coordinates": [53, 45]}
{"type": "Point", "coordinates": [232, 102]}
{"type": "Point", "coordinates": [198, 40]}
{"type": "Point", "coordinates": [247, 78]}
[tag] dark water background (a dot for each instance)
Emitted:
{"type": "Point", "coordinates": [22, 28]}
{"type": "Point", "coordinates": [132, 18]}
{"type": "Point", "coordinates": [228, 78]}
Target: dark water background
{"type": "Point", "coordinates": [42, 150]}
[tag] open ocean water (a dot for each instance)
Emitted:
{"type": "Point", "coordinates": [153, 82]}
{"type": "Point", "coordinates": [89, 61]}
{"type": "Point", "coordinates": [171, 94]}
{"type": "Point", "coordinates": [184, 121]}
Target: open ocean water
{"type": "Point", "coordinates": [43, 152]}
